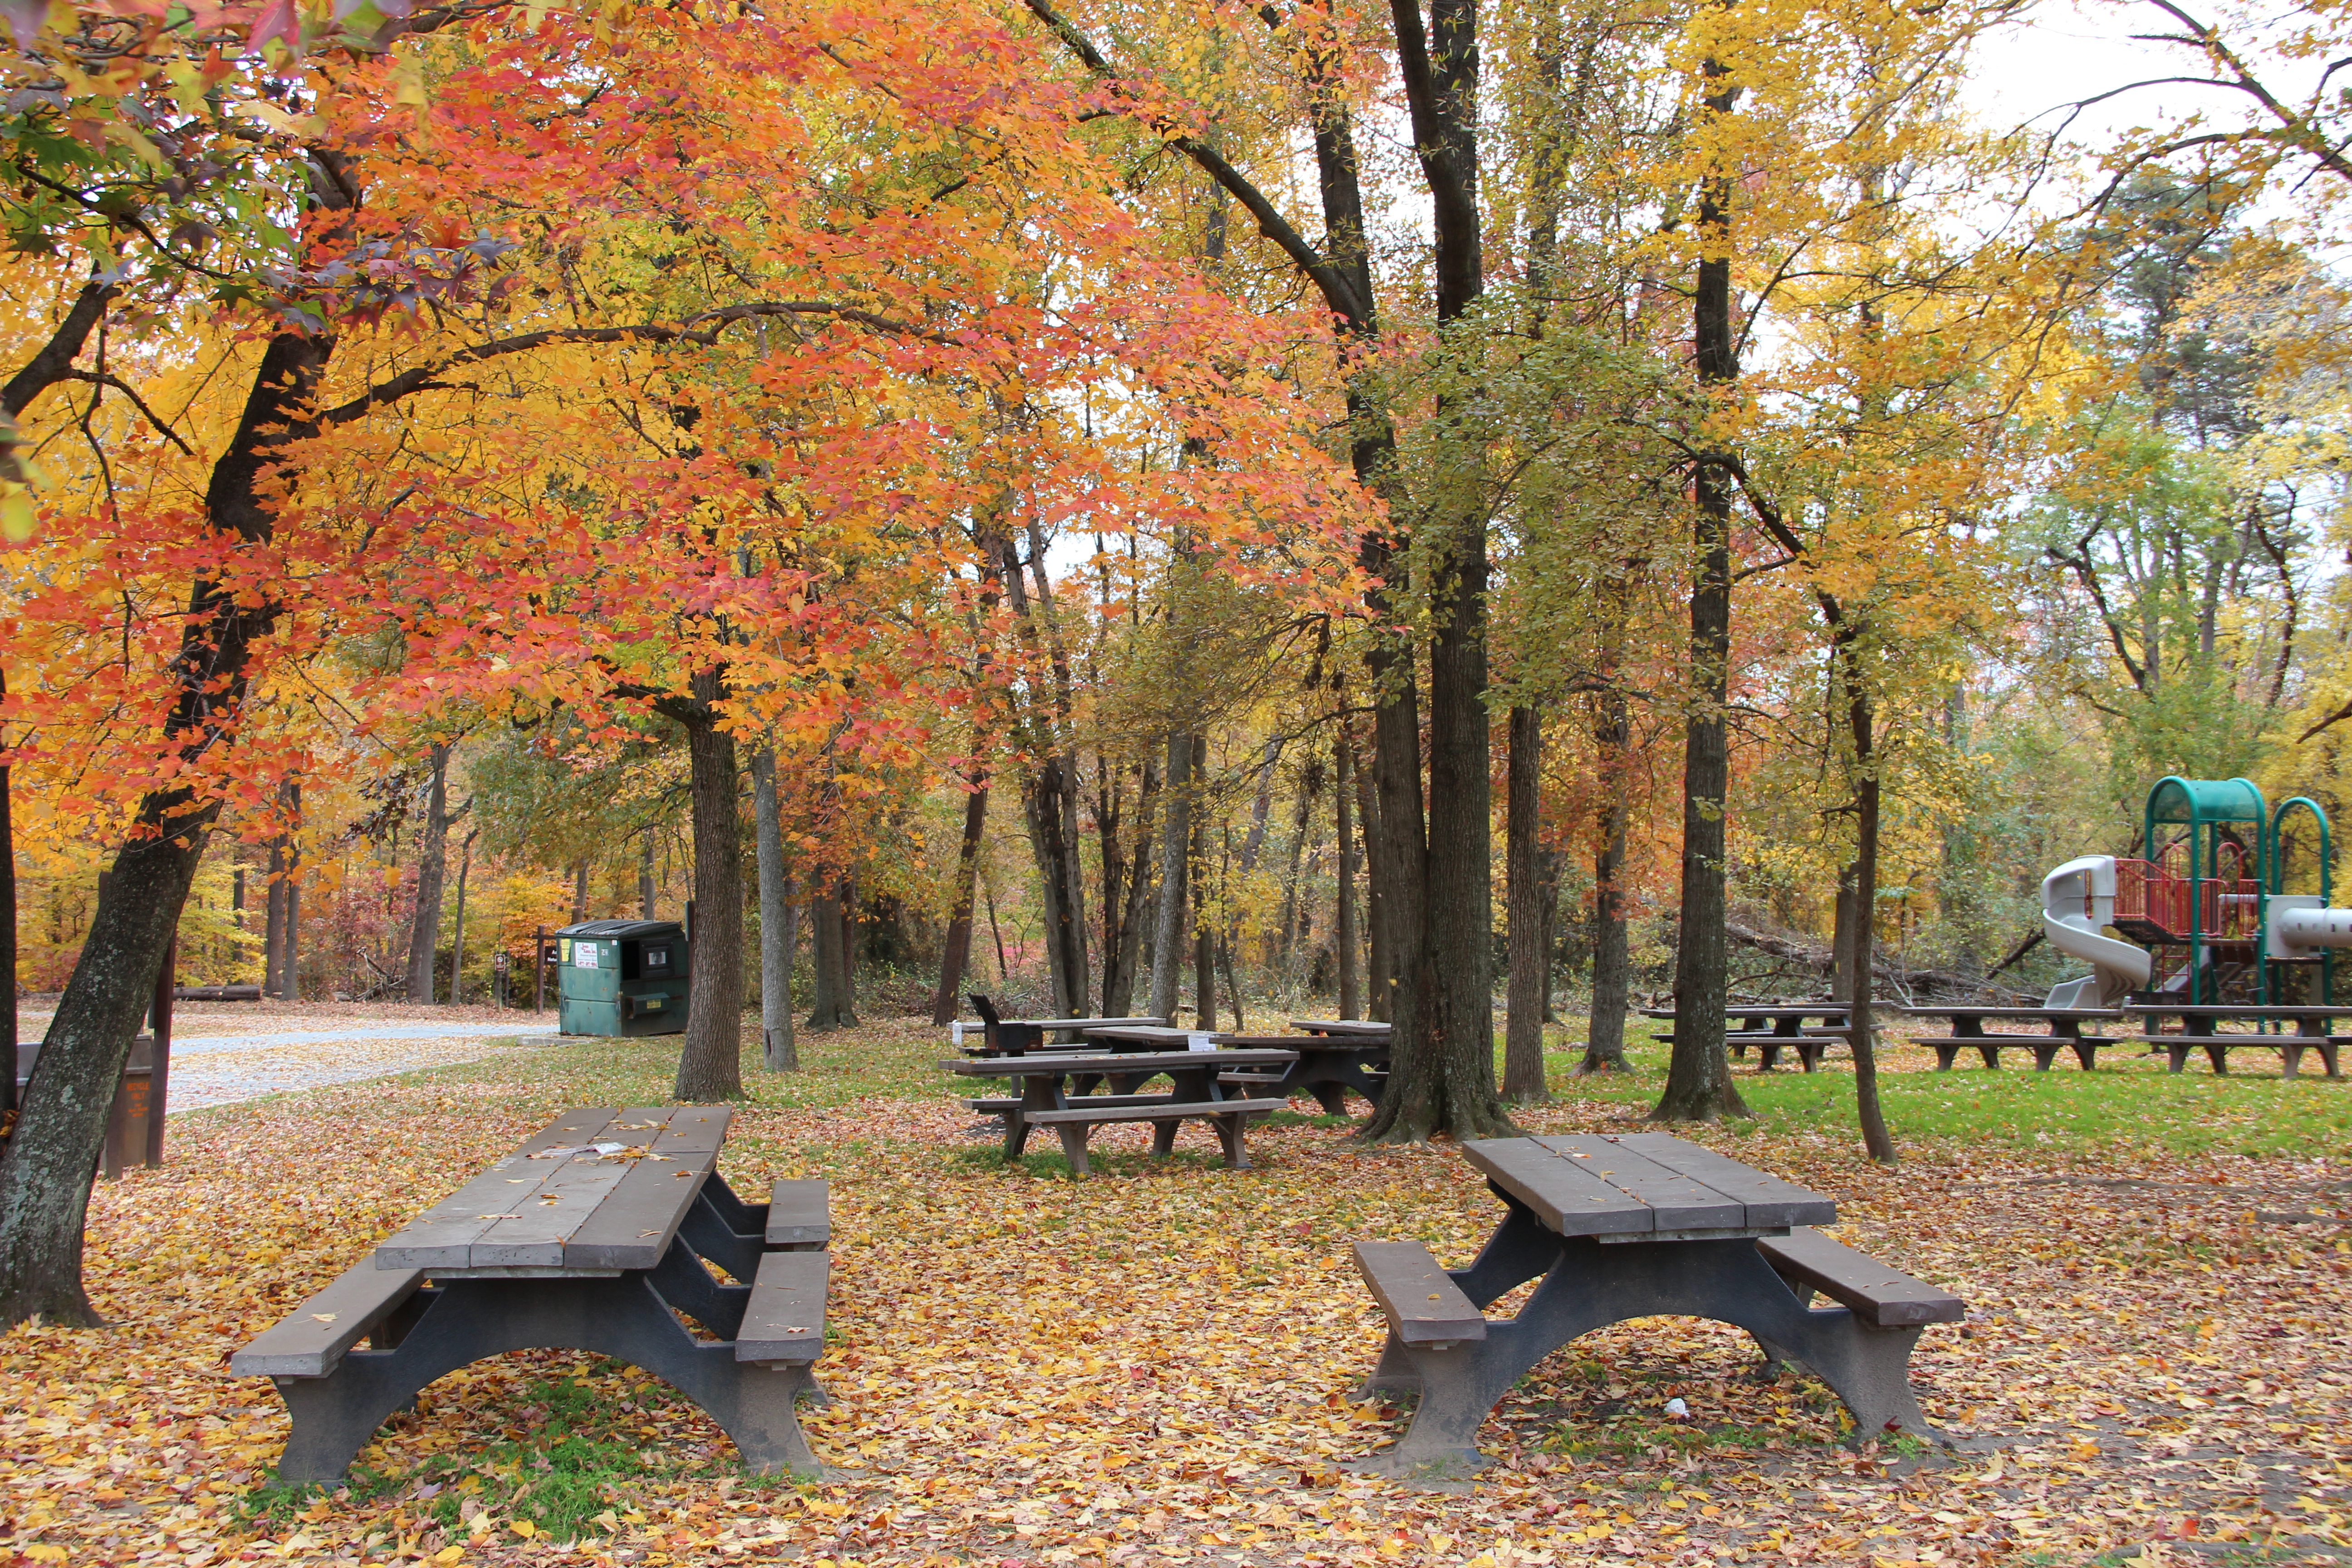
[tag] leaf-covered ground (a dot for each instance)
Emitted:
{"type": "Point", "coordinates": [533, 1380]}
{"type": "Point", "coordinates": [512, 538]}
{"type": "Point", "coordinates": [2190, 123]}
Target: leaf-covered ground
{"type": "Point", "coordinates": [1154, 1364]}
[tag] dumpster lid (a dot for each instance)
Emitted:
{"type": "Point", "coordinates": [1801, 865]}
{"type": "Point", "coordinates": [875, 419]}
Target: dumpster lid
{"type": "Point", "coordinates": [622, 929]}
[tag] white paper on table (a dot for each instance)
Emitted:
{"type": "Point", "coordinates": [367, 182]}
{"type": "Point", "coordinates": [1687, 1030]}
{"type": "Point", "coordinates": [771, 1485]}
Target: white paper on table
{"type": "Point", "coordinates": [955, 1033]}
{"type": "Point", "coordinates": [1198, 1042]}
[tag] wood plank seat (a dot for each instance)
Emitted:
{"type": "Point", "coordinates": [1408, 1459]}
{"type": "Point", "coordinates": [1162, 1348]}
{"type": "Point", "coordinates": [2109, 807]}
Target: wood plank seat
{"type": "Point", "coordinates": [1423, 1304]}
{"type": "Point", "coordinates": [1882, 1297]}
{"type": "Point", "coordinates": [2175, 1048]}
{"type": "Point", "coordinates": [361, 1301]}
{"type": "Point", "coordinates": [997, 1105]}
{"type": "Point", "coordinates": [784, 1323]}
{"type": "Point", "coordinates": [1227, 1116]}
{"type": "Point", "coordinates": [800, 1216]}
{"type": "Point", "coordinates": [2045, 1048]}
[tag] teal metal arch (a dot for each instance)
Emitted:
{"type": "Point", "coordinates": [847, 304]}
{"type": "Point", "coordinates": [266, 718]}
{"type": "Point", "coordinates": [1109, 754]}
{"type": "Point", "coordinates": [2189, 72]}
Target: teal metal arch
{"type": "Point", "coordinates": [2204, 806]}
{"type": "Point", "coordinates": [2276, 851]}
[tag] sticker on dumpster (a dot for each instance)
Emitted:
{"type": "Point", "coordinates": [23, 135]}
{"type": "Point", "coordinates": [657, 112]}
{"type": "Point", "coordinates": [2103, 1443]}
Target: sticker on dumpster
{"type": "Point", "coordinates": [583, 956]}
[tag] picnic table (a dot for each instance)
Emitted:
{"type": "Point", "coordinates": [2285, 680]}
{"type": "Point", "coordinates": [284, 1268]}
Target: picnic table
{"type": "Point", "coordinates": [1772, 1028]}
{"type": "Point", "coordinates": [2065, 1032]}
{"type": "Point", "coordinates": [1633, 1225]}
{"type": "Point", "coordinates": [592, 1234]}
{"type": "Point", "coordinates": [1328, 1065]}
{"type": "Point", "coordinates": [1201, 1081]}
{"type": "Point", "coordinates": [2201, 1030]}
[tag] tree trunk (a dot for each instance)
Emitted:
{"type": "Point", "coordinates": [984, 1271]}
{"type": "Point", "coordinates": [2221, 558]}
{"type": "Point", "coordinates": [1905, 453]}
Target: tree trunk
{"type": "Point", "coordinates": [49, 1162]}
{"type": "Point", "coordinates": [1051, 816]}
{"type": "Point", "coordinates": [1698, 1077]}
{"type": "Point", "coordinates": [457, 936]}
{"type": "Point", "coordinates": [432, 870]}
{"type": "Point", "coordinates": [1343, 923]}
{"type": "Point", "coordinates": [580, 886]}
{"type": "Point", "coordinates": [1376, 943]}
{"type": "Point", "coordinates": [1442, 1075]}
{"type": "Point", "coordinates": [646, 876]}
{"type": "Point", "coordinates": [1862, 1033]}
{"type": "Point", "coordinates": [1175, 867]}
{"type": "Point", "coordinates": [955, 951]}
{"type": "Point", "coordinates": [1605, 1043]}
{"type": "Point", "coordinates": [1122, 968]}
{"type": "Point", "coordinates": [1530, 960]}
{"type": "Point", "coordinates": [7, 930]}
{"type": "Point", "coordinates": [710, 1066]}
{"type": "Point", "coordinates": [273, 939]}
{"type": "Point", "coordinates": [778, 1050]}
{"type": "Point", "coordinates": [289, 974]}
{"type": "Point", "coordinates": [829, 942]}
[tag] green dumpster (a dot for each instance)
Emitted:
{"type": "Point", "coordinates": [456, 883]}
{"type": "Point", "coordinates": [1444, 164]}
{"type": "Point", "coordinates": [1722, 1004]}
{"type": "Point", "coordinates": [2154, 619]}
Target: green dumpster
{"type": "Point", "coordinates": [621, 977]}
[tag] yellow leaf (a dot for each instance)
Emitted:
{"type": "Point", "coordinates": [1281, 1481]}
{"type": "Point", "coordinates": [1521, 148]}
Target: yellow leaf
{"type": "Point", "coordinates": [449, 1554]}
{"type": "Point", "coordinates": [525, 1529]}
{"type": "Point", "coordinates": [324, 1317]}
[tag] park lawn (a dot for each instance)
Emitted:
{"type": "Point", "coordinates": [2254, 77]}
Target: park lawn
{"type": "Point", "coordinates": [1154, 1363]}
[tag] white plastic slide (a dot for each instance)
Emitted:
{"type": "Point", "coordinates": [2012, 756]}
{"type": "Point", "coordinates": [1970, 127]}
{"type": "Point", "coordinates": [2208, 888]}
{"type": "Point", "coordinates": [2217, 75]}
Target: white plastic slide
{"type": "Point", "coordinates": [2078, 902]}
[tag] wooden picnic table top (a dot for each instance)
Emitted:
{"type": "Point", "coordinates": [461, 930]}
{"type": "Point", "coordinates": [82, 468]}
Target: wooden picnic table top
{"type": "Point", "coordinates": [597, 1191]}
{"type": "Point", "coordinates": [1341, 1025]}
{"type": "Point", "coordinates": [1644, 1186]}
{"type": "Point", "coordinates": [1073, 1023]}
{"type": "Point", "coordinates": [1366, 1043]}
{"type": "Point", "coordinates": [1120, 1064]}
{"type": "Point", "coordinates": [1969, 1010]}
{"type": "Point", "coordinates": [1766, 1010]}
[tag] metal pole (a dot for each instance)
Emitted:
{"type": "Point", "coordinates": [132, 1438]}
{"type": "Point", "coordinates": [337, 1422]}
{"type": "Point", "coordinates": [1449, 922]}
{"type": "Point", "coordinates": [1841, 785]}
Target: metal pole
{"type": "Point", "coordinates": [539, 970]}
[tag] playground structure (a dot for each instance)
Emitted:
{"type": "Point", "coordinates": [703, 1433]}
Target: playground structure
{"type": "Point", "coordinates": [2207, 917]}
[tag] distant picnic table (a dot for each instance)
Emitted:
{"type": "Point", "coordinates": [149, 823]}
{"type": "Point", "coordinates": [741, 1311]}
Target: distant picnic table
{"type": "Point", "coordinates": [1000, 1034]}
{"type": "Point", "coordinates": [1636, 1225]}
{"type": "Point", "coordinates": [2064, 1032]}
{"type": "Point", "coordinates": [1212, 1086]}
{"type": "Point", "coordinates": [2201, 1030]}
{"type": "Point", "coordinates": [1772, 1028]}
{"type": "Point", "coordinates": [1328, 1066]}
{"type": "Point", "coordinates": [593, 1235]}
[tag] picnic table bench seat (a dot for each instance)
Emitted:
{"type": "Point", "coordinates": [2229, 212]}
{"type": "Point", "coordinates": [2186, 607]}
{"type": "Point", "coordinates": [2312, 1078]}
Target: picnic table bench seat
{"type": "Point", "coordinates": [2045, 1048]}
{"type": "Point", "coordinates": [607, 1247]}
{"type": "Point", "coordinates": [1077, 1123]}
{"type": "Point", "coordinates": [2176, 1049]}
{"type": "Point", "coordinates": [1807, 1042]}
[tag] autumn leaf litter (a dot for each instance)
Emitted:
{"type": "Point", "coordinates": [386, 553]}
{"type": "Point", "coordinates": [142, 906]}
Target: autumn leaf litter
{"type": "Point", "coordinates": [1156, 1363]}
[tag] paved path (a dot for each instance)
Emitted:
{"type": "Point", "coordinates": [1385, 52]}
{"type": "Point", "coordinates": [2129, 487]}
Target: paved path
{"type": "Point", "coordinates": [210, 1069]}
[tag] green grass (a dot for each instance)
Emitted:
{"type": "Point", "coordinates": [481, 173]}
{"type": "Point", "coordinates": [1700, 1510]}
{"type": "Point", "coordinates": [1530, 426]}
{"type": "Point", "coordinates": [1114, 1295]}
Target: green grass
{"type": "Point", "coordinates": [2129, 1102]}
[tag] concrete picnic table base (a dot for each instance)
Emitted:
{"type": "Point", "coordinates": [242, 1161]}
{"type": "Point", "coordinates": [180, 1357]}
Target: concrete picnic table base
{"type": "Point", "coordinates": [628, 1316]}
{"type": "Point", "coordinates": [1590, 1284]}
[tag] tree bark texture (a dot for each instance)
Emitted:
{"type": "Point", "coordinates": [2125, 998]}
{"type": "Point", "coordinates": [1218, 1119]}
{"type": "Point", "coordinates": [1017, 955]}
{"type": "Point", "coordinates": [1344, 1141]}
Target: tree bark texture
{"type": "Point", "coordinates": [7, 929]}
{"type": "Point", "coordinates": [778, 1052]}
{"type": "Point", "coordinates": [1698, 1076]}
{"type": "Point", "coordinates": [457, 936]}
{"type": "Point", "coordinates": [645, 877]}
{"type": "Point", "coordinates": [1175, 885]}
{"type": "Point", "coordinates": [1441, 1076]}
{"type": "Point", "coordinates": [273, 938]}
{"type": "Point", "coordinates": [432, 871]}
{"type": "Point", "coordinates": [710, 1066]}
{"type": "Point", "coordinates": [1344, 939]}
{"type": "Point", "coordinates": [955, 950]}
{"type": "Point", "coordinates": [1604, 1041]}
{"type": "Point", "coordinates": [1862, 1035]}
{"type": "Point", "coordinates": [1530, 957]}
{"type": "Point", "coordinates": [579, 891]}
{"type": "Point", "coordinates": [46, 1166]}
{"type": "Point", "coordinates": [835, 1007]}
{"type": "Point", "coordinates": [1123, 965]}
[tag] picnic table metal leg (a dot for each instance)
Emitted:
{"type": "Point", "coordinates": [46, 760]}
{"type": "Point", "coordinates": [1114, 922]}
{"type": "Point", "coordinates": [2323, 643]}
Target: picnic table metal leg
{"type": "Point", "coordinates": [467, 1320]}
{"type": "Point", "coordinates": [1592, 1287]}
